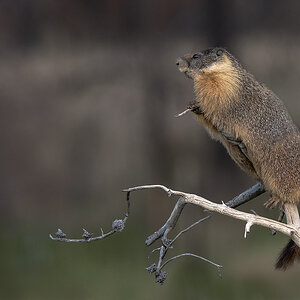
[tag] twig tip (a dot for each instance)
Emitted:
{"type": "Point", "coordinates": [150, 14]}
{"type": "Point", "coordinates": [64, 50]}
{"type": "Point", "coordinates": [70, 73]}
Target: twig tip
{"type": "Point", "coordinates": [183, 113]}
{"type": "Point", "coordinates": [247, 228]}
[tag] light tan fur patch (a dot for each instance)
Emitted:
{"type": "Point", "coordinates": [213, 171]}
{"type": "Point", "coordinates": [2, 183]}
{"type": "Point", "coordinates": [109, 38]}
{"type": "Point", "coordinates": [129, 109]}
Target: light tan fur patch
{"type": "Point", "coordinates": [217, 85]}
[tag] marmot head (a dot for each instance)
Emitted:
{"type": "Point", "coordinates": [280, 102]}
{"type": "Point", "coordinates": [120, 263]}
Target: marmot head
{"type": "Point", "coordinates": [204, 62]}
{"type": "Point", "coordinates": [216, 75]}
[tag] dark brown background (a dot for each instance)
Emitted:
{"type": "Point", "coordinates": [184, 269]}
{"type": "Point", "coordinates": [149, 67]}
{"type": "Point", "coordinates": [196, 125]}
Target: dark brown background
{"type": "Point", "coordinates": [89, 91]}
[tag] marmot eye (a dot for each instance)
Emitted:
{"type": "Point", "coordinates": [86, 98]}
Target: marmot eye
{"type": "Point", "coordinates": [196, 56]}
{"type": "Point", "coordinates": [219, 52]}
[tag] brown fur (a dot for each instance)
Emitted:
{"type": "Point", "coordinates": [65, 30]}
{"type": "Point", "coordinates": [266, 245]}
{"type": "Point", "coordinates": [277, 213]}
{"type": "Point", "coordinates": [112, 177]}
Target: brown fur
{"type": "Point", "coordinates": [251, 122]}
{"type": "Point", "coordinates": [233, 149]}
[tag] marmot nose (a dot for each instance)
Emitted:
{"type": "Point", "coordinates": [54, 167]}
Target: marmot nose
{"type": "Point", "coordinates": [182, 64]}
{"type": "Point", "coordinates": [179, 62]}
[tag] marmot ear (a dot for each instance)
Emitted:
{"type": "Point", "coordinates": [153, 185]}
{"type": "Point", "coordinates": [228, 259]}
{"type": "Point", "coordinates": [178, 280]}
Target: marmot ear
{"type": "Point", "coordinates": [219, 52]}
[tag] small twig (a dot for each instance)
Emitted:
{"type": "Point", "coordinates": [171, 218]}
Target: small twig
{"type": "Point", "coordinates": [184, 112]}
{"type": "Point", "coordinates": [188, 228]}
{"type": "Point", "coordinates": [66, 240]}
{"type": "Point", "coordinates": [161, 255]}
{"type": "Point", "coordinates": [148, 186]}
{"type": "Point", "coordinates": [190, 254]}
{"type": "Point", "coordinates": [254, 212]}
{"type": "Point", "coordinates": [117, 226]}
{"type": "Point", "coordinates": [154, 250]}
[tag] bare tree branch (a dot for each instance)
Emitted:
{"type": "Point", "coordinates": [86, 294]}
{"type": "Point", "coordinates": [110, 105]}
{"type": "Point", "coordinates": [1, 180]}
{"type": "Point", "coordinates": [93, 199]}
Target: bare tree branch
{"type": "Point", "coordinates": [184, 198]}
{"type": "Point", "coordinates": [250, 219]}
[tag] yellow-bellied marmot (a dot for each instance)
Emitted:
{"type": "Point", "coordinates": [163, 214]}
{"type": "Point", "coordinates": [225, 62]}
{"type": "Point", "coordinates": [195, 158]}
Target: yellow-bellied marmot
{"type": "Point", "coordinates": [253, 125]}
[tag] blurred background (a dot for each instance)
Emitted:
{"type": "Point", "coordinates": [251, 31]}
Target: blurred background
{"type": "Point", "coordinates": [89, 91]}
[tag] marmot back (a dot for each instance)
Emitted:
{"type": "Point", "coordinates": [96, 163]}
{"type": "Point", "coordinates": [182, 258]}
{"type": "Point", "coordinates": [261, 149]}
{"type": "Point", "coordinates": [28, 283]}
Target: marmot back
{"type": "Point", "coordinates": [253, 125]}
